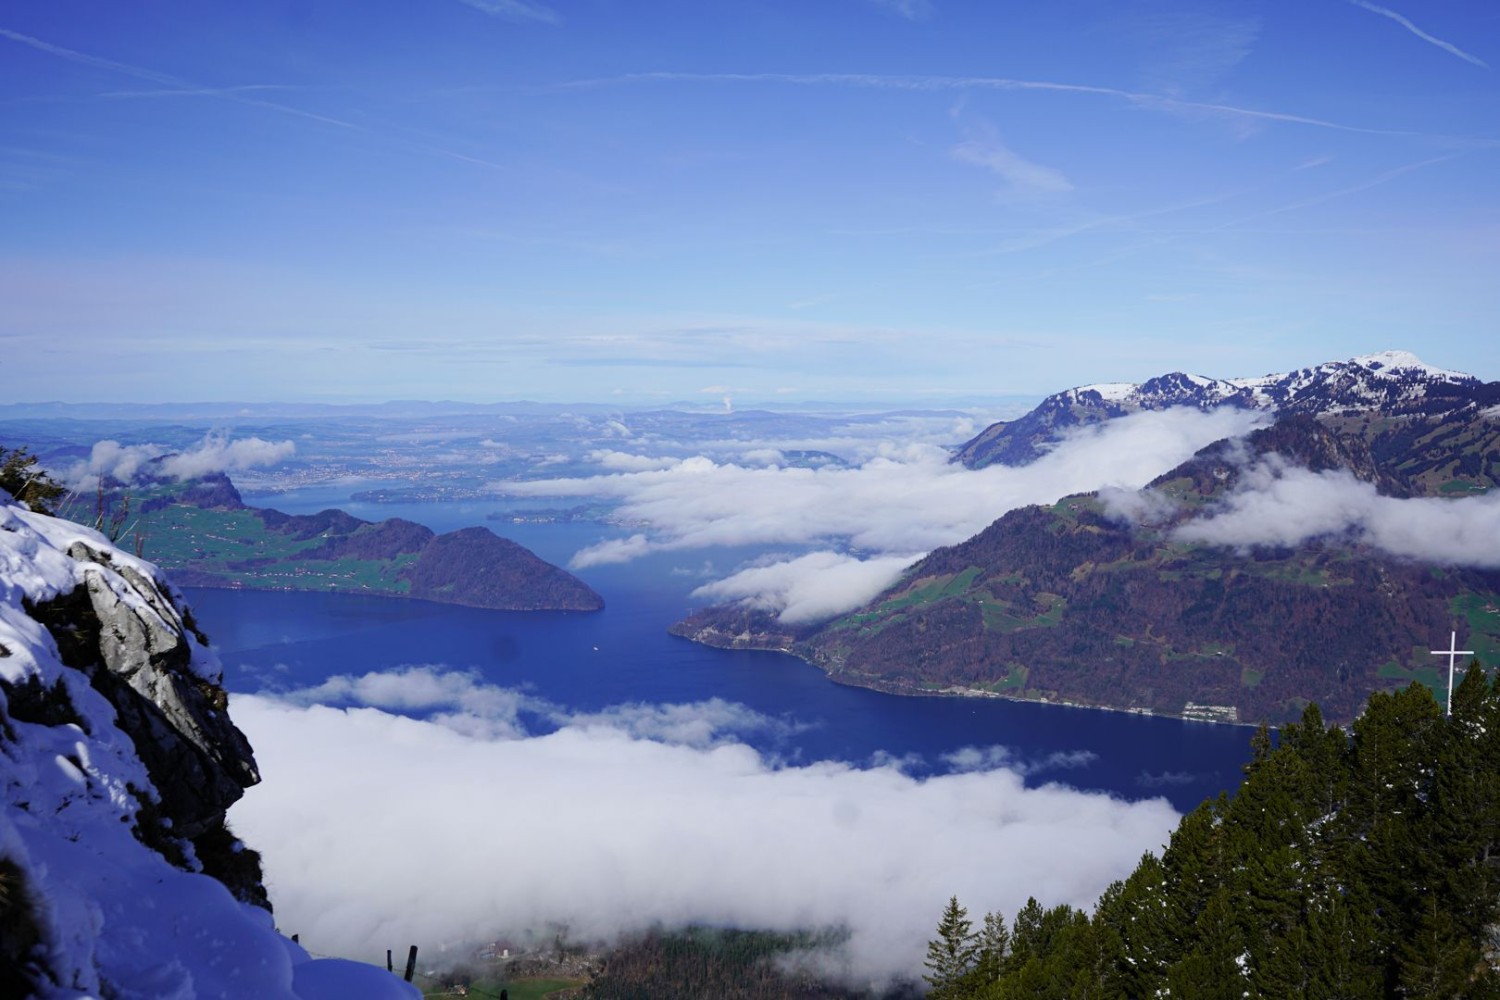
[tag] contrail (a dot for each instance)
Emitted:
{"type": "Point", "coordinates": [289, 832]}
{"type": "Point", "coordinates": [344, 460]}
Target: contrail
{"type": "Point", "coordinates": [1445, 46]}
{"type": "Point", "coordinates": [942, 83]}
{"type": "Point", "coordinates": [177, 85]}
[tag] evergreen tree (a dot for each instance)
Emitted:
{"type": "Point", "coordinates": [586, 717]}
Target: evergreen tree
{"type": "Point", "coordinates": [24, 479]}
{"type": "Point", "coordinates": [1344, 963]}
{"type": "Point", "coordinates": [1135, 932]}
{"type": "Point", "coordinates": [1213, 969]}
{"type": "Point", "coordinates": [1465, 808]}
{"type": "Point", "coordinates": [994, 946]}
{"type": "Point", "coordinates": [1027, 934]}
{"type": "Point", "coordinates": [952, 956]}
{"type": "Point", "coordinates": [1436, 962]}
{"type": "Point", "coordinates": [1349, 865]}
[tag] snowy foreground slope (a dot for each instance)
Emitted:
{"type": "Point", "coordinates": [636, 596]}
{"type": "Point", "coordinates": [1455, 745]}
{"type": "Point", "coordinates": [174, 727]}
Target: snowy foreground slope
{"type": "Point", "coordinates": [117, 762]}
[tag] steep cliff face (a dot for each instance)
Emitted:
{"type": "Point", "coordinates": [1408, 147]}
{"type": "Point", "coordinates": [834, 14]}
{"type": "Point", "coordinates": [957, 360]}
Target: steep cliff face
{"type": "Point", "coordinates": [118, 759]}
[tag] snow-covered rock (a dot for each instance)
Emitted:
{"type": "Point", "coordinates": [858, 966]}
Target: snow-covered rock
{"type": "Point", "coordinates": [118, 759]}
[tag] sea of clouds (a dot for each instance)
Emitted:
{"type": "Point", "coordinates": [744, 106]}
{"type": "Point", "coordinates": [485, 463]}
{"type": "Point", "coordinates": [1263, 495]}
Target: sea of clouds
{"type": "Point", "coordinates": [380, 828]}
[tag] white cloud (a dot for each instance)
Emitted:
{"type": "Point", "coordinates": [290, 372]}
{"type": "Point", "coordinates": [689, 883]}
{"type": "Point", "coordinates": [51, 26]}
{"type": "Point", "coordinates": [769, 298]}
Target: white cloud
{"type": "Point", "coordinates": [111, 458]}
{"type": "Point", "coordinates": [516, 10]}
{"type": "Point", "coordinates": [1142, 507]}
{"type": "Point", "coordinates": [215, 453]}
{"type": "Point", "coordinates": [809, 588]}
{"type": "Point", "coordinates": [912, 10]}
{"type": "Point", "coordinates": [378, 831]}
{"type": "Point", "coordinates": [615, 550]}
{"type": "Point", "coordinates": [992, 757]}
{"type": "Point", "coordinates": [903, 501]}
{"type": "Point", "coordinates": [456, 699]}
{"type": "Point", "coordinates": [763, 456]}
{"type": "Point", "coordinates": [984, 148]}
{"type": "Point", "coordinates": [623, 461]}
{"type": "Point", "coordinates": [1275, 504]}
{"type": "Point", "coordinates": [702, 725]}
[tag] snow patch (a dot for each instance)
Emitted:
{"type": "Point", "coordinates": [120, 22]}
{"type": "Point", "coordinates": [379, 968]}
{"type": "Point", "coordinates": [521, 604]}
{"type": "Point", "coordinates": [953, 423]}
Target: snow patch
{"type": "Point", "coordinates": [117, 919]}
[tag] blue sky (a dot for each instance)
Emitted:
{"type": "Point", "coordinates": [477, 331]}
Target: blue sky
{"type": "Point", "coordinates": [595, 200]}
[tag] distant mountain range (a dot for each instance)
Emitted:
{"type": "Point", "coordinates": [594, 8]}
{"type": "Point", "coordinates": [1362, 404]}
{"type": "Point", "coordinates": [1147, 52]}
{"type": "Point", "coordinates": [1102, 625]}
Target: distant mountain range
{"type": "Point", "coordinates": [1074, 602]}
{"type": "Point", "coordinates": [206, 536]}
{"type": "Point", "coordinates": [1392, 383]}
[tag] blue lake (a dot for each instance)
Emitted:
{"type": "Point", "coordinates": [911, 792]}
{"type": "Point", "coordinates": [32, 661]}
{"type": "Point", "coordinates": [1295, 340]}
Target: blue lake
{"type": "Point", "coordinates": [584, 662]}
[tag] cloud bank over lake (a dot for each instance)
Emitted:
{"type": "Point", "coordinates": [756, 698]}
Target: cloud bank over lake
{"type": "Point", "coordinates": [381, 830]}
{"type": "Point", "coordinates": [885, 512]}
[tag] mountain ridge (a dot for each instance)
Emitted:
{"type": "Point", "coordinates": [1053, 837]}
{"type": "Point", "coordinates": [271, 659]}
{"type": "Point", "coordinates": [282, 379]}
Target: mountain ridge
{"type": "Point", "coordinates": [1392, 382]}
{"type": "Point", "coordinates": [1123, 601]}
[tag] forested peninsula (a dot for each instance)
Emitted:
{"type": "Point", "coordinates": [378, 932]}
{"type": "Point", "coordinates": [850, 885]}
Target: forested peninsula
{"type": "Point", "coordinates": [206, 536]}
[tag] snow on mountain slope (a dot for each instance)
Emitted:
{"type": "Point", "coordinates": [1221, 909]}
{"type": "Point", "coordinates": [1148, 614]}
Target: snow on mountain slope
{"type": "Point", "coordinates": [1392, 381]}
{"type": "Point", "coordinates": [117, 760]}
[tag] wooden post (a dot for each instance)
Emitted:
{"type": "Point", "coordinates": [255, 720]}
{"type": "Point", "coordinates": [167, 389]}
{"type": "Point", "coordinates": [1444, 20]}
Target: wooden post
{"type": "Point", "coordinates": [388, 966]}
{"type": "Point", "coordinates": [411, 963]}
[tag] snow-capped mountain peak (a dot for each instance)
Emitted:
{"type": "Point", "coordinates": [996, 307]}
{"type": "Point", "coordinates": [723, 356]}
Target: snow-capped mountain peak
{"type": "Point", "coordinates": [1392, 381]}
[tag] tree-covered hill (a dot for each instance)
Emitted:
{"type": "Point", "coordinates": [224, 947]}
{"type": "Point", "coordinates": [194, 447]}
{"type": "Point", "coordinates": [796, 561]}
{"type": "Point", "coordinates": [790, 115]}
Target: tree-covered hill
{"type": "Point", "coordinates": [1351, 864]}
{"type": "Point", "coordinates": [203, 532]}
{"type": "Point", "coordinates": [1073, 602]}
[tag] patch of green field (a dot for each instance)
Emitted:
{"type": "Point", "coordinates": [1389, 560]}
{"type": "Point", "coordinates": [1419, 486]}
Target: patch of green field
{"type": "Point", "coordinates": [358, 575]}
{"type": "Point", "coordinates": [182, 535]}
{"type": "Point", "coordinates": [1434, 678]}
{"type": "Point", "coordinates": [1294, 572]}
{"type": "Point", "coordinates": [1068, 508]}
{"type": "Point", "coordinates": [1000, 616]}
{"type": "Point", "coordinates": [1014, 679]}
{"type": "Point", "coordinates": [935, 589]}
{"type": "Point", "coordinates": [235, 546]}
{"type": "Point", "coordinates": [1177, 488]}
{"type": "Point", "coordinates": [1461, 487]}
{"type": "Point", "coordinates": [1482, 614]}
{"type": "Point", "coordinates": [1250, 678]}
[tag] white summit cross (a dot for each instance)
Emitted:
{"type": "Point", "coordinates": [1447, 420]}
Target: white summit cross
{"type": "Point", "coordinates": [1452, 653]}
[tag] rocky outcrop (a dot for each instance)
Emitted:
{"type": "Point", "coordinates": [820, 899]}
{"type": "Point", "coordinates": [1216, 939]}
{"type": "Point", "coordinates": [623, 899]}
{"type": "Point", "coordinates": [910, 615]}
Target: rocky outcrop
{"type": "Point", "coordinates": [99, 653]}
{"type": "Point", "coordinates": [118, 759]}
{"type": "Point", "coordinates": [136, 647]}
